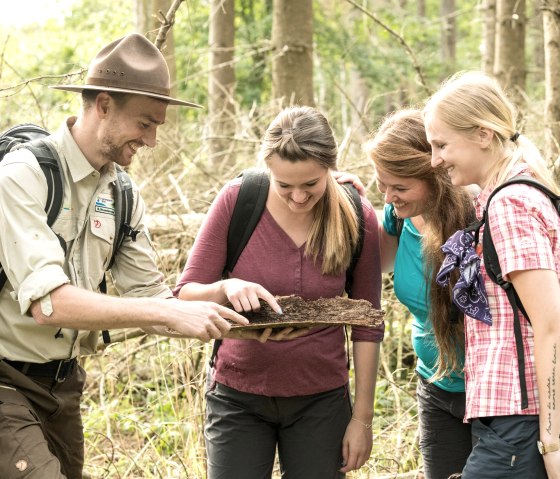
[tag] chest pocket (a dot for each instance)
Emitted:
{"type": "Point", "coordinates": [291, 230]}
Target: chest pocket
{"type": "Point", "coordinates": [102, 230]}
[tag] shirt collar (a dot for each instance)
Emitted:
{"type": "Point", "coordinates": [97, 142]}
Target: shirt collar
{"type": "Point", "coordinates": [78, 164]}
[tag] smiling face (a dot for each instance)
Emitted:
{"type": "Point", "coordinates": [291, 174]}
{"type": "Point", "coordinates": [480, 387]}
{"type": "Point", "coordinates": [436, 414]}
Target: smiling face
{"type": "Point", "coordinates": [466, 158]}
{"type": "Point", "coordinates": [129, 126]}
{"type": "Point", "coordinates": [298, 184]}
{"type": "Point", "coordinates": [410, 196]}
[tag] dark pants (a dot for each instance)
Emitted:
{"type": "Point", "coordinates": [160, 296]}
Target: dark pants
{"type": "Point", "coordinates": [243, 430]}
{"type": "Point", "coordinates": [445, 440]}
{"type": "Point", "coordinates": [41, 434]}
{"type": "Point", "coordinates": [506, 448]}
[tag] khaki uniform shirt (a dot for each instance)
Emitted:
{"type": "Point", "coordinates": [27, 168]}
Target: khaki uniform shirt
{"type": "Point", "coordinates": [35, 263]}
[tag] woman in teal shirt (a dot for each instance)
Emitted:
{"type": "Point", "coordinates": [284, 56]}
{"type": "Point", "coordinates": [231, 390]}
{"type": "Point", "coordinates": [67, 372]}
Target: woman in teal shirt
{"type": "Point", "coordinates": [430, 209]}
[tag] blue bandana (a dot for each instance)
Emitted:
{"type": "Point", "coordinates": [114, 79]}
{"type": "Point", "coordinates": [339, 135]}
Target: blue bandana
{"type": "Point", "coordinates": [469, 293]}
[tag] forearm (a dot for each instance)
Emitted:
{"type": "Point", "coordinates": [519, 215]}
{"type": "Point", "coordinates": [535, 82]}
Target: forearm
{"type": "Point", "coordinates": [204, 292]}
{"type": "Point", "coordinates": [547, 362]}
{"type": "Point", "coordinates": [366, 360]}
{"type": "Point", "coordinates": [76, 308]}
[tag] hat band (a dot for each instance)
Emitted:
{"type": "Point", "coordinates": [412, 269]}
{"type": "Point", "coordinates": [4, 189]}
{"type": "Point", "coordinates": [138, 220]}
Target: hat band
{"type": "Point", "coordinates": [128, 85]}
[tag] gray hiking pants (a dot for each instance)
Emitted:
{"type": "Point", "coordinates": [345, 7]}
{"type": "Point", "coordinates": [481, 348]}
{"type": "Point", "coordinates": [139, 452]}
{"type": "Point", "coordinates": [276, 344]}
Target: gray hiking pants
{"type": "Point", "coordinates": [243, 430]}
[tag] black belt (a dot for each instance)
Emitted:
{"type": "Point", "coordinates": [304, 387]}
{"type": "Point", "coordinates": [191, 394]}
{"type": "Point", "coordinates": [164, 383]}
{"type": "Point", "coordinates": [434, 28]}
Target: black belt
{"type": "Point", "coordinates": [57, 370]}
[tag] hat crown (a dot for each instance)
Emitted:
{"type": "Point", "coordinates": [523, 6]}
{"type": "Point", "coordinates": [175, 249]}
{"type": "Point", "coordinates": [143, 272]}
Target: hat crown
{"type": "Point", "coordinates": [131, 63]}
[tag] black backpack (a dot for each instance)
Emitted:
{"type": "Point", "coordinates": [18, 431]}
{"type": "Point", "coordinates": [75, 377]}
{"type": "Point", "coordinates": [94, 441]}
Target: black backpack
{"type": "Point", "coordinates": [33, 137]}
{"type": "Point", "coordinates": [494, 271]}
{"type": "Point", "coordinates": [247, 211]}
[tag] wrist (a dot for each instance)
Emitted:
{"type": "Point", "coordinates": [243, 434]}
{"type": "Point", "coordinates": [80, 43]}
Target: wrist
{"type": "Point", "coordinates": [546, 447]}
{"type": "Point", "coordinates": [367, 425]}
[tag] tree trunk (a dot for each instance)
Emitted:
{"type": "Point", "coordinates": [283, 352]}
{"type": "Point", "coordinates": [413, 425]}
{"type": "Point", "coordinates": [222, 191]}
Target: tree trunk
{"type": "Point", "coordinates": [221, 83]}
{"type": "Point", "coordinates": [489, 38]}
{"type": "Point", "coordinates": [292, 41]}
{"type": "Point", "coordinates": [448, 35]}
{"type": "Point", "coordinates": [509, 65]}
{"type": "Point", "coordinates": [551, 27]}
{"type": "Point", "coordinates": [421, 8]}
{"type": "Point", "coordinates": [535, 31]}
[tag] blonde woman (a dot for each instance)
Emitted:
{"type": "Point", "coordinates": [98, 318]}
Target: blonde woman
{"type": "Point", "coordinates": [471, 126]}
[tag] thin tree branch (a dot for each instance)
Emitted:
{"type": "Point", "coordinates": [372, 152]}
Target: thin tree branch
{"type": "Point", "coordinates": [167, 22]}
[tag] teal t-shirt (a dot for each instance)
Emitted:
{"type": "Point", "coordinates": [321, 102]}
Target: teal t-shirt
{"type": "Point", "coordinates": [411, 290]}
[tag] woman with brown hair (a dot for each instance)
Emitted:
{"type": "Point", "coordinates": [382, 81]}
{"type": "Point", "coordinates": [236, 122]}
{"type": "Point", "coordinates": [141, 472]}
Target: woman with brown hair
{"type": "Point", "coordinates": [422, 210]}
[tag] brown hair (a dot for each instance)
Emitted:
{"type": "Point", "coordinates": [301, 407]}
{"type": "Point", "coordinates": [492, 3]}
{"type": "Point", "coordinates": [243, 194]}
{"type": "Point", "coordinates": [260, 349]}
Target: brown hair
{"type": "Point", "coordinates": [302, 134]}
{"type": "Point", "coordinates": [400, 147]}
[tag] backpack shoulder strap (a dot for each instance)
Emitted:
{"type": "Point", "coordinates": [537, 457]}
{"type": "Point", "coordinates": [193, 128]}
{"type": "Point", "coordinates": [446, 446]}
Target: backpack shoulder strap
{"type": "Point", "coordinates": [50, 164]}
{"type": "Point", "coordinates": [399, 222]}
{"type": "Point", "coordinates": [491, 260]}
{"type": "Point", "coordinates": [246, 213]}
{"type": "Point", "coordinates": [124, 202]}
{"type": "Point", "coordinates": [357, 204]}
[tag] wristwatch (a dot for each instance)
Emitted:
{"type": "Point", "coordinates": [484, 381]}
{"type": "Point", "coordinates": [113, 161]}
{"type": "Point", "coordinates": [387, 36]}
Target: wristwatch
{"type": "Point", "coordinates": [546, 448]}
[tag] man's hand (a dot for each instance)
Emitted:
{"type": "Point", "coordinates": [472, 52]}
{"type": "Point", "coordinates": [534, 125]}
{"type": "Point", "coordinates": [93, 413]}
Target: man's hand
{"type": "Point", "coordinates": [200, 319]}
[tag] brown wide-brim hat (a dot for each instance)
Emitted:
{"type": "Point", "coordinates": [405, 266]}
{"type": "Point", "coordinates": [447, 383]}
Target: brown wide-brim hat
{"type": "Point", "coordinates": [131, 64]}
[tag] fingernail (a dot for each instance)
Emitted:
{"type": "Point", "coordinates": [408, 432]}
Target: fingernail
{"type": "Point", "coordinates": [279, 311]}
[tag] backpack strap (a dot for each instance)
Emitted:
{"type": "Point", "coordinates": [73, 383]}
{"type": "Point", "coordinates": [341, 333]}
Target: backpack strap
{"type": "Point", "coordinates": [124, 202]}
{"type": "Point", "coordinates": [357, 204]}
{"type": "Point", "coordinates": [49, 162]}
{"type": "Point", "coordinates": [399, 223]}
{"type": "Point", "coordinates": [247, 211]}
{"type": "Point", "coordinates": [494, 271]}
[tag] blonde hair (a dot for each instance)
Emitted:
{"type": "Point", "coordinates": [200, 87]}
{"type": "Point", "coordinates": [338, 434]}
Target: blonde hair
{"type": "Point", "coordinates": [400, 148]}
{"type": "Point", "coordinates": [470, 100]}
{"type": "Point", "coordinates": [302, 133]}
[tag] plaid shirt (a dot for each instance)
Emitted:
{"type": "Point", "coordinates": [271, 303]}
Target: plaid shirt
{"type": "Point", "coordinates": [525, 230]}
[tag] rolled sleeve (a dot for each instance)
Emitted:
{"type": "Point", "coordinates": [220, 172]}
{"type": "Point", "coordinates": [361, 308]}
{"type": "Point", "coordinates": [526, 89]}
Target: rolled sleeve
{"type": "Point", "coordinates": [39, 284]}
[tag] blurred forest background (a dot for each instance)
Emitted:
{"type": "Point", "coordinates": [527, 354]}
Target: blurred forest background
{"type": "Point", "coordinates": [356, 60]}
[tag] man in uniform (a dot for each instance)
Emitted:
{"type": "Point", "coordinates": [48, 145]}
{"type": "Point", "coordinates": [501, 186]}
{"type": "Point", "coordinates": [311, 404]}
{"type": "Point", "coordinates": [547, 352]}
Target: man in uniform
{"type": "Point", "coordinates": [50, 307]}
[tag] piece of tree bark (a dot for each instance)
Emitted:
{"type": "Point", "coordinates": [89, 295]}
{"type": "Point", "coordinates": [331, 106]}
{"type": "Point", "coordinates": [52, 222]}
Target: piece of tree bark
{"type": "Point", "coordinates": [298, 312]}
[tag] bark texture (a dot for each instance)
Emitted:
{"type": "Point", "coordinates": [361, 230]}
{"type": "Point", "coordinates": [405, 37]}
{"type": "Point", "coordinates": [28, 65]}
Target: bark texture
{"type": "Point", "coordinates": [321, 312]}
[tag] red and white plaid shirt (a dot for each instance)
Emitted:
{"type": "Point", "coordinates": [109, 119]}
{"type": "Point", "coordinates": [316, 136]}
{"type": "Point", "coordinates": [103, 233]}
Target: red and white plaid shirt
{"type": "Point", "coordinates": [525, 230]}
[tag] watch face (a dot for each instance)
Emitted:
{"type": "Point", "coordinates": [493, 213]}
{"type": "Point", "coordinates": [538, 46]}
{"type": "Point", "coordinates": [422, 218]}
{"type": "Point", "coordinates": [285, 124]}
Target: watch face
{"type": "Point", "coordinates": [540, 447]}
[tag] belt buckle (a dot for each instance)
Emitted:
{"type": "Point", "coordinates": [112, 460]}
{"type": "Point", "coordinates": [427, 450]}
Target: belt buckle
{"type": "Point", "coordinates": [62, 370]}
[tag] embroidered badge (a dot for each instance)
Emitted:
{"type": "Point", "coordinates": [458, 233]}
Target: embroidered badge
{"type": "Point", "coordinates": [105, 204]}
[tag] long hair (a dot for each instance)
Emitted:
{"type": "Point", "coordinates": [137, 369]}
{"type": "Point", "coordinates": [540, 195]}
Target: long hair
{"type": "Point", "coordinates": [304, 134]}
{"type": "Point", "coordinates": [400, 148]}
{"type": "Point", "coordinates": [470, 100]}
